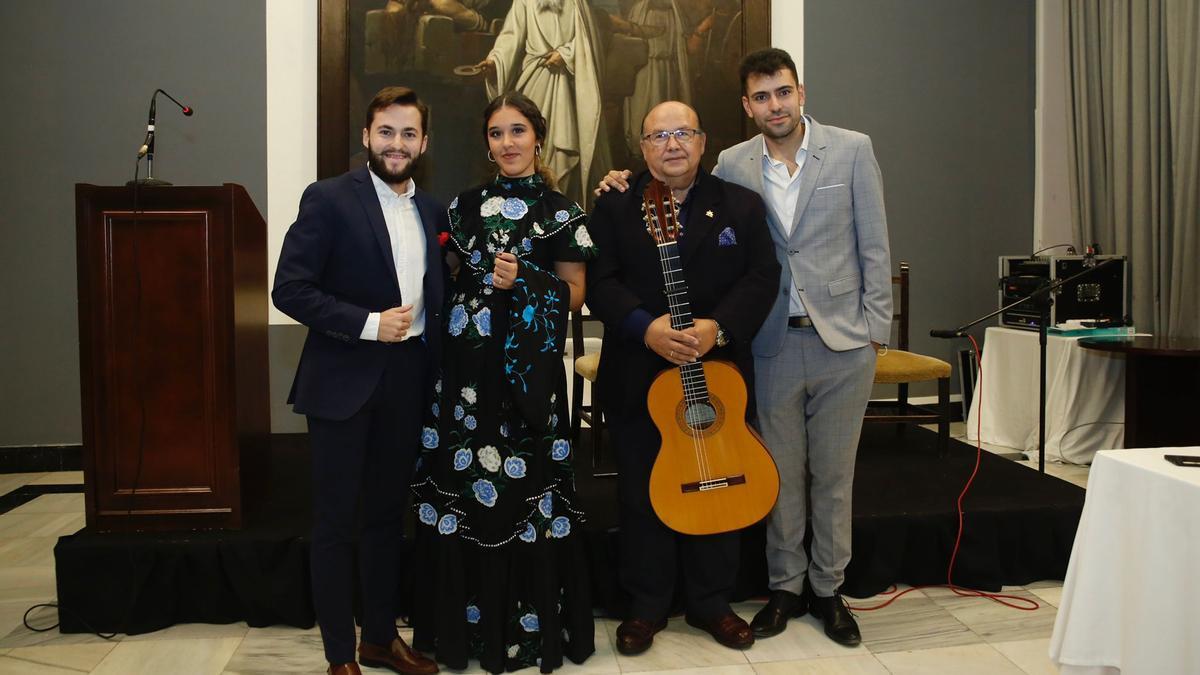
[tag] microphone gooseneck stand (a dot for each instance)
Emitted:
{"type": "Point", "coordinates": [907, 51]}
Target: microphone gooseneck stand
{"type": "Point", "coordinates": [147, 149]}
{"type": "Point", "coordinates": [1041, 299]}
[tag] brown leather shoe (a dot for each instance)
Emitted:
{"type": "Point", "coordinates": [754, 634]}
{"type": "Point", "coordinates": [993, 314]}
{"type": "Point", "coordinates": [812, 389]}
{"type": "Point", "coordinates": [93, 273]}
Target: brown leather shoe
{"type": "Point", "coordinates": [730, 630]}
{"type": "Point", "coordinates": [344, 669]}
{"type": "Point", "coordinates": [398, 657]}
{"type": "Point", "coordinates": [635, 636]}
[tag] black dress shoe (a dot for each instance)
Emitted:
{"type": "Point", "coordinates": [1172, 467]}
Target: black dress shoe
{"type": "Point", "coordinates": [635, 636]}
{"type": "Point", "coordinates": [773, 617]}
{"type": "Point", "coordinates": [840, 625]}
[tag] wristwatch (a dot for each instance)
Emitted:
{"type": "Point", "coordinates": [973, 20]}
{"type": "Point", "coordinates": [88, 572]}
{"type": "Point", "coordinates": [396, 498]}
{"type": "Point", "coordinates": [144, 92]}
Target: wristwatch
{"type": "Point", "coordinates": [722, 336]}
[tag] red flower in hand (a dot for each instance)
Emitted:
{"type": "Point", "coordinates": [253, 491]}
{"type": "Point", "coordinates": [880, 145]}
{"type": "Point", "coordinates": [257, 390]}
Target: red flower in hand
{"type": "Point", "coordinates": [443, 238]}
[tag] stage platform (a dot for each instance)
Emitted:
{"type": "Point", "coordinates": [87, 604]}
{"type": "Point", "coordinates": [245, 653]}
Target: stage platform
{"type": "Point", "coordinates": [1019, 528]}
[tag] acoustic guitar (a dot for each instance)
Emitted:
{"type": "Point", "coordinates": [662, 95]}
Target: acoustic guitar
{"type": "Point", "coordinates": [713, 474]}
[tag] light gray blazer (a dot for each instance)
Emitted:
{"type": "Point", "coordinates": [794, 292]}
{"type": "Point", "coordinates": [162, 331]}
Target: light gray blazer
{"type": "Point", "coordinates": [837, 254]}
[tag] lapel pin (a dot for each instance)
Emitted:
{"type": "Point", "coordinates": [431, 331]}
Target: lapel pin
{"type": "Point", "coordinates": [709, 213]}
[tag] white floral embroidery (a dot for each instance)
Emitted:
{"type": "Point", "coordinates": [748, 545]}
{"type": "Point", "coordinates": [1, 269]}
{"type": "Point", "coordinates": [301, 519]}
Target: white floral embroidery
{"type": "Point", "coordinates": [489, 458]}
{"type": "Point", "coordinates": [491, 207]}
{"type": "Point", "coordinates": [582, 237]}
{"type": "Point", "coordinates": [468, 394]}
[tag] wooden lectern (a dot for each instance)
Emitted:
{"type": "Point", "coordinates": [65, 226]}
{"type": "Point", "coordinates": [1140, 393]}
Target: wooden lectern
{"type": "Point", "coordinates": [172, 354]}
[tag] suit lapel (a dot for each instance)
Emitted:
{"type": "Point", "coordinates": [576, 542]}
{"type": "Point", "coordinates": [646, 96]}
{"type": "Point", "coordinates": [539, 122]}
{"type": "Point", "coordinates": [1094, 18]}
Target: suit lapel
{"type": "Point", "coordinates": [365, 189]}
{"type": "Point", "coordinates": [752, 164]}
{"type": "Point", "coordinates": [698, 228]}
{"type": "Point", "coordinates": [810, 174]}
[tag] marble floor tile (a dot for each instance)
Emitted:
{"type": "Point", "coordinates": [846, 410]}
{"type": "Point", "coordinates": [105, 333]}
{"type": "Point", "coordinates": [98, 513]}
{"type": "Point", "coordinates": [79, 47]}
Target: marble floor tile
{"type": "Point", "coordinates": [13, 666]}
{"type": "Point", "coordinates": [803, 639]}
{"type": "Point", "coordinates": [45, 617]}
{"type": "Point", "coordinates": [901, 590]}
{"type": "Point", "coordinates": [1031, 656]}
{"type": "Point", "coordinates": [679, 646]}
{"type": "Point", "coordinates": [995, 622]}
{"type": "Point", "coordinates": [265, 651]}
{"type": "Point", "coordinates": [973, 659]}
{"type": "Point", "coordinates": [59, 478]}
{"type": "Point", "coordinates": [12, 481]}
{"type": "Point", "coordinates": [71, 502]}
{"type": "Point", "coordinates": [911, 624]}
{"type": "Point", "coordinates": [1051, 596]}
{"type": "Point", "coordinates": [27, 552]}
{"type": "Point", "coordinates": [178, 657]}
{"type": "Point", "coordinates": [78, 657]}
{"type": "Point", "coordinates": [191, 631]}
{"type": "Point", "coordinates": [14, 525]}
{"type": "Point", "coordinates": [862, 664]}
{"type": "Point", "coordinates": [33, 583]}
{"type": "Point", "coordinates": [712, 670]}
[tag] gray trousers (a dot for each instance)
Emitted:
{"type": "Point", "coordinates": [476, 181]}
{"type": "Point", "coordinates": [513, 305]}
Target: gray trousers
{"type": "Point", "coordinates": [811, 402]}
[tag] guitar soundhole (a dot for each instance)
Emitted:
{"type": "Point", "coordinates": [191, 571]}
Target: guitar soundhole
{"type": "Point", "coordinates": [700, 416]}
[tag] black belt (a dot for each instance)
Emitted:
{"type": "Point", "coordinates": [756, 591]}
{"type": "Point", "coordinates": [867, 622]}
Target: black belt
{"type": "Point", "coordinates": [799, 322]}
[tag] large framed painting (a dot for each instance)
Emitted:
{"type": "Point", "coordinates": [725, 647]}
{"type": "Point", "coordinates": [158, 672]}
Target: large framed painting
{"type": "Point", "coordinates": [593, 66]}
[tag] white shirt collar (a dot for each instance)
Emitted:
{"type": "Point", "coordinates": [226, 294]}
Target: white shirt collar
{"type": "Point", "coordinates": [385, 191]}
{"type": "Point", "coordinates": [800, 152]}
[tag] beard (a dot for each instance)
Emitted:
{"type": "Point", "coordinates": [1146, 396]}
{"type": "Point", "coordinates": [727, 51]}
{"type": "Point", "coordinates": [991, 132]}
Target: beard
{"type": "Point", "coordinates": [555, 6]}
{"type": "Point", "coordinates": [378, 164]}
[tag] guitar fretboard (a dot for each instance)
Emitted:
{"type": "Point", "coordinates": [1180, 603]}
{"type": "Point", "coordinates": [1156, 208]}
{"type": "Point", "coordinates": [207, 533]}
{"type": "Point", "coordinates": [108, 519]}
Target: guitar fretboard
{"type": "Point", "coordinates": [695, 386]}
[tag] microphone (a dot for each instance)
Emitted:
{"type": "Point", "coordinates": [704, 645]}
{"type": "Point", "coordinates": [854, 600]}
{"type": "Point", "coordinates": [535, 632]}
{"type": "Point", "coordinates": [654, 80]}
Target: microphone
{"type": "Point", "coordinates": [945, 333]}
{"type": "Point", "coordinates": [148, 144]}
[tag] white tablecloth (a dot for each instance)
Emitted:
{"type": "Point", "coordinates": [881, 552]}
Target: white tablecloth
{"type": "Point", "coordinates": [1085, 396]}
{"type": "Point", "coordinates": [1131, 599]}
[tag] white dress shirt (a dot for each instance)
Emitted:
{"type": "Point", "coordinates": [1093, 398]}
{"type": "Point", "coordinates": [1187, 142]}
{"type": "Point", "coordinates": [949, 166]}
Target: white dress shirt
{"type": "Point", "coordinates": [407, 236]}
{"type": "Point", "coordinates": [781, 191]}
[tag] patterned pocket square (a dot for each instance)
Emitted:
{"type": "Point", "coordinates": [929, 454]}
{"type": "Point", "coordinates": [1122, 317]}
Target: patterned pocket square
{"type": "Point", "coordinates": [727, 237]}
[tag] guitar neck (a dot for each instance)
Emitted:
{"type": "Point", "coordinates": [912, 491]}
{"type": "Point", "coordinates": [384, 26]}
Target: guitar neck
{"type": "Point", "coordinates": [695, 385]}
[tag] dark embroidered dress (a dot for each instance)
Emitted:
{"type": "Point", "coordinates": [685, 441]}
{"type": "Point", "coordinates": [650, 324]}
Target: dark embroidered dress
{"type": "Point", "coordinates": [501, 571]}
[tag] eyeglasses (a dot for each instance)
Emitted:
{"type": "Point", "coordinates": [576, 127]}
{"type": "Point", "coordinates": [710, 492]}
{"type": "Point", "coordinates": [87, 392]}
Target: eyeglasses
{"type": "Point", "coordinates": [660, 138]}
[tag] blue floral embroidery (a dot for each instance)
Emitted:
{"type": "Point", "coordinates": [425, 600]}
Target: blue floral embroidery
{"type": "Point", "coordinates": [476, 256]}
{"type": "Point", "coordinates": [487, 279]}
{"type": "Point", "coordinates": [483, 321]}
{"type": "Point", "coordinates": [514, 467]}
{"type": "Point", "coordinates": [462, 459]}
{"type": "Point", "coordinates": [436, 409]}
{"type": "Point", "coordinates": [485, 492]}
{"type": "Point", "coordinates": [527, 244]}
{"type": "Point", "coordinates": [513, 208]}
{"type": "Point", "coordinates": [504, 429]}
{"type": "Point", "coordinates": [459, 412]}
{"type": "Point", "coordinates": [458, 319]}
{"type": "Point", "coordinates": [546, 504]}
{"type": "Point", "coordinates": [529, 535]}
{"type": "Point", "coordinates": [530, 623]}
{"type": "Point", "coordinates": [562, 216]}
{"type": "Point", "coordinates": [472, 614]}
{"type": "Point", "coordinates": [448, 524]}
{"type": "Point", "coordinates": [454, 203]}
{"type": "Point", "coordinates": [560, 527]}
{"type": "Point", "coordinates": [427, 514]}
{"type": "Point", "coordinates": [429, 438]}
{"type": "Point", "coordinates": [469, 422]}
{"type": "Point", "coordinates": [560, 450]}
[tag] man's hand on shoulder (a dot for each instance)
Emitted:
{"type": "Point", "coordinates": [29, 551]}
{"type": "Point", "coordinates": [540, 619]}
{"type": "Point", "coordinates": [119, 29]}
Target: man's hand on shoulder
{"type": "Point", "coordinates": [614, 179]}
{"type": "Point", "coordinates": [394, 323]}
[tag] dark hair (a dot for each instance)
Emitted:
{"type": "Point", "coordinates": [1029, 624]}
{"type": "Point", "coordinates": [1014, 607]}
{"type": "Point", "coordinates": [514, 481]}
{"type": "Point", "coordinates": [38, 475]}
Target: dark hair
{"type": "Point", "coordinates": [390, 96]}
{"type": "Point", "coordinates": [766, 62]}
{"type": "Point", "coordinates": [529, 110]}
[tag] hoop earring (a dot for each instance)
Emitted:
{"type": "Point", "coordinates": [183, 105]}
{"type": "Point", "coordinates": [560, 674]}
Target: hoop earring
{"type": "Point", "coordinates": [490, 158]}
{"type": "Point", "coordinates": [537, 150]}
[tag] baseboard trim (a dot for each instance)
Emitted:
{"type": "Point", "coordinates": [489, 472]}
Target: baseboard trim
{"type": "Point", "coordinates": [41, 458]}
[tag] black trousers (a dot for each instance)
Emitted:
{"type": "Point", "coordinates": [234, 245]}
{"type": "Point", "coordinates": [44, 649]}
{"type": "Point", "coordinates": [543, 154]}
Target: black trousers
{"type": "Point", "coordinates": [650, 551]}
{"type": "Point", "coordinates": [368, 456]}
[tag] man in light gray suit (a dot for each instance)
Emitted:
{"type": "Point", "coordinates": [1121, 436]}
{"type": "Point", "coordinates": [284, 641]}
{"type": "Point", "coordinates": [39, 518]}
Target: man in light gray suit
{"type": "Point", "coordinates": [814, 357]}
{"type": "Point", "coordinates": [816, 351]}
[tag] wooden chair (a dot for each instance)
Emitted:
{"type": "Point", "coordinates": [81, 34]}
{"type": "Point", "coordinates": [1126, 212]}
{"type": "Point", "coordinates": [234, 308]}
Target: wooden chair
{"type": "Point", "coordinates": [586, 365]}
{"type": "Point", "coordinates": [902, 367]}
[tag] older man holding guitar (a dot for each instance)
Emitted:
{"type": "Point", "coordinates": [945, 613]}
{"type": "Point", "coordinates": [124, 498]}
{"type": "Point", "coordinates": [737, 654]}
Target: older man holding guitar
{"type": "Point", "coordinates": [710, 241]}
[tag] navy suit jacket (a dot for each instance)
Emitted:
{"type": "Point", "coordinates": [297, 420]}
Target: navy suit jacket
{"type": "Point", "coordinates": [335, 268]}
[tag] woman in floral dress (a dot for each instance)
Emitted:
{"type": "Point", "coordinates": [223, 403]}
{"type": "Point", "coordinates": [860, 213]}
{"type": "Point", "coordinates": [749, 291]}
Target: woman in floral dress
{"type": "Point", "coordinates": [501, 567]}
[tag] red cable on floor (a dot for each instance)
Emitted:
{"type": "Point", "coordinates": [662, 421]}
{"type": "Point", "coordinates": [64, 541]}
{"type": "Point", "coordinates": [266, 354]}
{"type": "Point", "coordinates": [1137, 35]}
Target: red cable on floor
{"type": "Point", "coordinates": [1001, 598]}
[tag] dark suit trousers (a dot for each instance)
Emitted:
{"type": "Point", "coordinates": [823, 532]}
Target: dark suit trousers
{"type": "Point", "coordinates": [370, 455]}
{"type": "Point", "coordinates": [650, 551]}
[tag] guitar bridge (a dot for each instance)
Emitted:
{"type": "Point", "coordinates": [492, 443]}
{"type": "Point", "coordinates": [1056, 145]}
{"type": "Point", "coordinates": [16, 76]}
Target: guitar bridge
{"type": "Point", "coordinates": [713, 484]}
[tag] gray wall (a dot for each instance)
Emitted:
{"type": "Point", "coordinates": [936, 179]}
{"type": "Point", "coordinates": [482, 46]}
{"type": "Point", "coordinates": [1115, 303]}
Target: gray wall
{"type": "Point", "coordinates": [945, 88]}
{"type": "Point", "coordinates": [77, 78]}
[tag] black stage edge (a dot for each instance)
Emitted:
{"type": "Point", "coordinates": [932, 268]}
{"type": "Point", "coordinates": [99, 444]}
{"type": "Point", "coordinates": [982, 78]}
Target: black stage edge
{"type": "Point", "coordinates": [38, 458]}
{"type": "Point", "coordinates": [1020, 526]}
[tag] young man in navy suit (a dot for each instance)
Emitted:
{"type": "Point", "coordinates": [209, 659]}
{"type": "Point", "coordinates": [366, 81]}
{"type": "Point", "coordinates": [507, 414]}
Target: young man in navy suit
{"type": "Point", "coordinates": [362, 268]}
